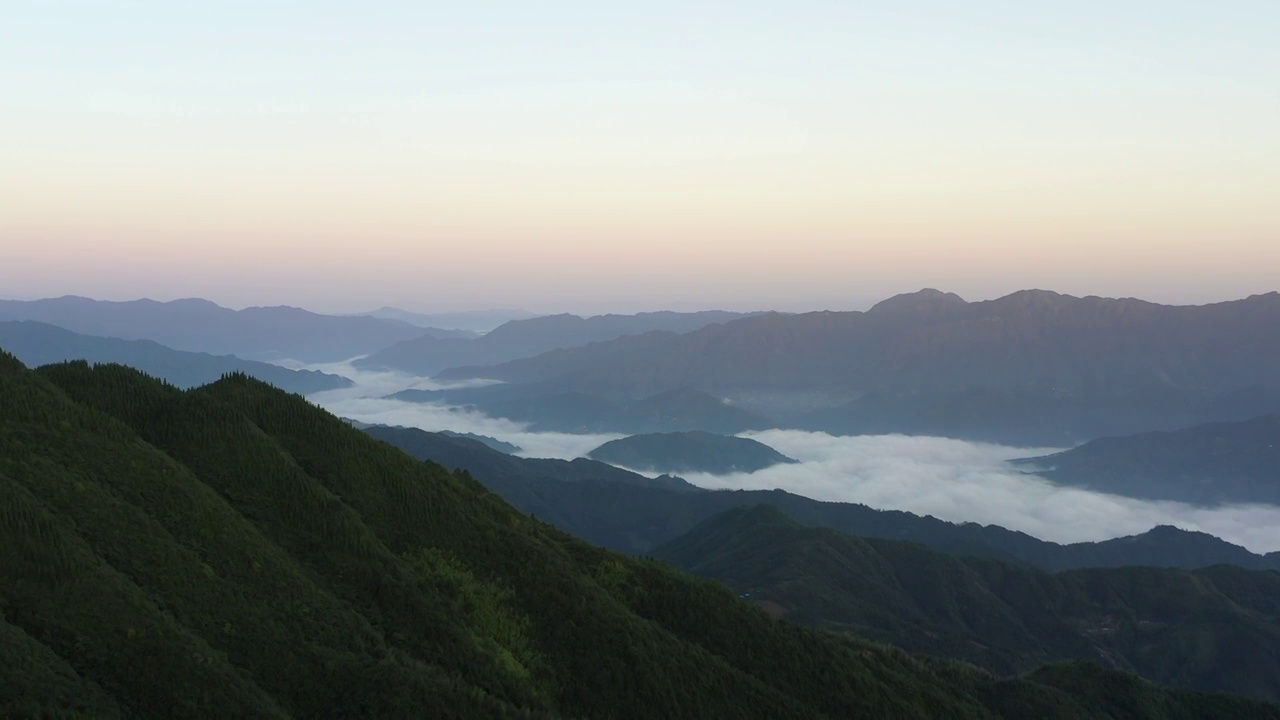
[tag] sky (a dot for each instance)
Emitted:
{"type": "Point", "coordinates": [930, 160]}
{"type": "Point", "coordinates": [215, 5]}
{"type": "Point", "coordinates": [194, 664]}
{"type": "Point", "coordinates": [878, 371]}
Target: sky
{"type": "Point", "coordinates": [590, 157]}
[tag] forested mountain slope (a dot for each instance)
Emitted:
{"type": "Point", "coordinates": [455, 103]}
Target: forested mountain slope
{"type": "Point", "coordinates": [235, 551]}
{"type": "Point", "coordinates": [1212, 629]}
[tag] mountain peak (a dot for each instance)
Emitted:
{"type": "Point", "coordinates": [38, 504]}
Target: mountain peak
{"type": "Point", "coordinates": [928, 301]}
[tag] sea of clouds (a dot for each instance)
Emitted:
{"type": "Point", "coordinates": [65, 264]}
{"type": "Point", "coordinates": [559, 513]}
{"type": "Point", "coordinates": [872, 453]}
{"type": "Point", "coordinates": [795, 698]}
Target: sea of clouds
{"type": "Point", "coordinates": [949, 479]}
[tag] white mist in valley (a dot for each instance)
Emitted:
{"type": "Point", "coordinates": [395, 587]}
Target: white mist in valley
{"type": "Point", "coordinates": [367, 403]}
{"type": "Point", "coordinates": [949, 479]}
{"type": "Point", "coordinates": [973, 482]}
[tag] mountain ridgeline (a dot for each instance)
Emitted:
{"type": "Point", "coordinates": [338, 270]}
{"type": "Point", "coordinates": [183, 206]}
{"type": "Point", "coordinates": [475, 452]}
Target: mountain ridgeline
{"type": "Point", "coordinates": [1204, 465]}
{"type": "Point", "coordinates": [1033, 368]}
{"type": "Point", "coordinates": [1210, 629]}
{"type": "Point", "coordinates": [196, 325]}
{"type": "Point", "coordinates": [524, 338]}
{"type": "Point", "coordinates": [235, 551]}
{"type": "Point", "coordinates": [39, 344]}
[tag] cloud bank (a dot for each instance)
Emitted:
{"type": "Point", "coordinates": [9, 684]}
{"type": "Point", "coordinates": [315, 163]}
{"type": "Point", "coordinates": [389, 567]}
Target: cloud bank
{"type": "Point", "coordinates": [950, 479]}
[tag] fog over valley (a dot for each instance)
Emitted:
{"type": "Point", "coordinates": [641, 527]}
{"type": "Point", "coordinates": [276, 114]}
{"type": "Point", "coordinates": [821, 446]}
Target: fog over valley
{"type": "Point", "coordinates": [950, 479]}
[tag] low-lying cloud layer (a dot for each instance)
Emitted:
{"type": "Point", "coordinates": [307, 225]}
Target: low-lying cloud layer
{"type": "Point", "coordinates": [949, 479]}
{"type": "Point", "coordinates": [366, 402]}
{"type": "Point", "coordinates": [972, 482]}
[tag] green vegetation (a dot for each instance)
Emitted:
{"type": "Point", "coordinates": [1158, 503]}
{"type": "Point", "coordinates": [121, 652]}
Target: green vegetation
{"type": "Point", "coordinates": [1212, 629]}
{"type": "Point", "coordinates": [234, 551]}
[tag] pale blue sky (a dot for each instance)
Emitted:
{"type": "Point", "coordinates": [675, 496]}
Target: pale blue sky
{"type": "Point", "coordinates": [592, 156]}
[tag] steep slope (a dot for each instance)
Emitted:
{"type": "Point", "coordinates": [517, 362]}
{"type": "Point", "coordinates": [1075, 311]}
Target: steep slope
{"type": "Point", "coordinates": [1206, 465]}
{"type": "Point", "coordinates": [525, 338]}
{"type": "Point", "coordinates": [235, 551]}
{"type": "Point", "coordinates": [39, 344]}
{"type": "Point", "coordinates": [687, 452]}
{"type": "Point", "coordinates": [198, 325]}
{"type": "Point", "coordinates": [1212, 629]}
{"type": "Point", "coordinates": [634, 514]}
{"type": "Point", "coordinates": [1033, 367]}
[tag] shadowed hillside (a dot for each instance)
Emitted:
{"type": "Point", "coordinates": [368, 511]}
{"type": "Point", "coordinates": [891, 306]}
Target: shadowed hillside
{"type": "Point", "coordinates": [1205, 465]}
{"type": "Point", "coordinates": [1211, 629]}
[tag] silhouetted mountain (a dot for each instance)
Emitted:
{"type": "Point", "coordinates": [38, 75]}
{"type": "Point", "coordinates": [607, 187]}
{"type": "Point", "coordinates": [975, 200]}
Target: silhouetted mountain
{"type": "Point", "coordinates": [490, 442]}
{"type": "Point", "coordinates": [689, 452]}
{"type": "Point", "coordinates": [625, 511]}
{"type": "Point", "coordinates": [234, 551]}
{"type": "Point", "coordinates": [524, 338]}
{"type": "Point", "coordinates": [201, 326]}
{"type": "Point", "coordinates": [39, 344]}
{"type": "Point", "coordinates": [549, 411]}
{"type": "Point", "coordinates": [1033, 367]}
{"type": "Point", "coordinates": [1207, 464]}
{"type": "Point", "coordinates": [1213, 629]}
{"type": "Point", "coordinates": [418, 320]}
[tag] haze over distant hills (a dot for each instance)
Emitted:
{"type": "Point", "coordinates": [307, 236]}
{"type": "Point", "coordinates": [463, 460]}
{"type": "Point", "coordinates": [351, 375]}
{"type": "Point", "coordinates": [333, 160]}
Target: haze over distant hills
{"type": "Point", "coordinates": [1034, 367]}
{"type": "Point", "coordinates": [1205, 465]}
{"type": "Point", "coordinates": [1211, 629]}
{"type": "Point", "coordinates": [525, 338]}
{"type": "Point", "coordinates": [40, 344]}
{"type": "Point", "coordinates": [473, 322]}
{"type": "Point", "coordinates": [201, 326]}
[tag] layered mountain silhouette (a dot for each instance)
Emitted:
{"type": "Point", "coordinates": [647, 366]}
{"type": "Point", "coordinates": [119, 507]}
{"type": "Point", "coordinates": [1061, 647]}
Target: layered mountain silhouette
{"type": "Point", "coordinates": [39, 344]}
{"type": "Point", "coordinates": [1032, 368]}
{"type": "Point", "coordinates": [235, 551]}
{"type": "Point", "coordinates": [525, 338]}
{"type": "Point", "coordinates": [201, 326]}
{"type": "Point", "coordinates": [625, 511]}
{"type": "Point", "coordinates": [689, 452]}
{"type": "Point", "coordinates": [1206, 465]}
{"type": "Point", "coordinates": [1211, 629]}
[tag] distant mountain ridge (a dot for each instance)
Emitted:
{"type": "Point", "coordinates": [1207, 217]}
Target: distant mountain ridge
{"type": "Point", "coordinates": [197, 325]}
{"type": "Point", "coordinates": [1031, 368]}
{"type": "Point", "coordinates": [1237, 462]}
{"type": "Point", "coordinates": [1211, 629]}
{"type": "Point", "coordinates": [689, 452]}
{"type": "Point", "coordinates": [38, 344]}
{"type": "Point", "coordinates": [525, 338]}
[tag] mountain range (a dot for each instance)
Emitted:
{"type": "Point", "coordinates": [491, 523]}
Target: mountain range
{"type": "Point", "coordinates": [525, 338]}
{"type": "Point", "coordinates": [631, 513]}
{"type": "Point", "coordinates": [197, 325]}
{"type": "Point", "coordinates": [1232, 462]}
{"type": "Point", "coordinates": [1217, 628]}
{"type": "Point", "coordinates": [39, 344]}
{"type": "Point", "coordinates": [1032, 368]}
{"type": "Point", "coordinates": [234, 551]}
